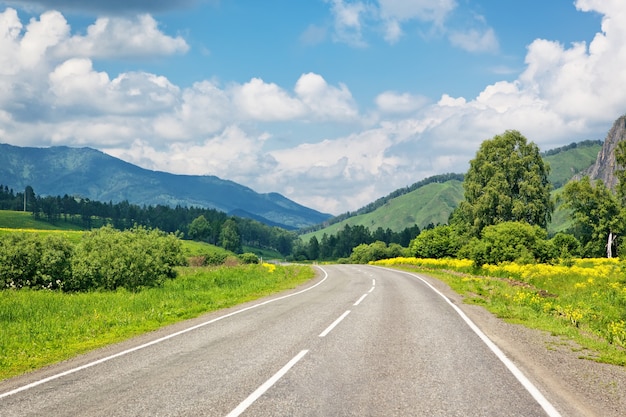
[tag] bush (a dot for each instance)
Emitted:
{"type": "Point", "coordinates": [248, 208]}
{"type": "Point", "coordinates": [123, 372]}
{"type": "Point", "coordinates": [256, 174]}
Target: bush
{"type": "Point", "coordinates": [440, 242]}
{"type": "Point", "coordinates": [249, 258]}
{"type": "Point", "coordinates": [29, 260]}
{"type": "Point", "coordinates": [509, 242]}
{"type": "Point", "coordinates": [109, 259]}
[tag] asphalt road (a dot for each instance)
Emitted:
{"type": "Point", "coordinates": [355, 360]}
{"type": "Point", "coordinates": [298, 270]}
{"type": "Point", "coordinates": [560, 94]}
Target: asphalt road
{"type": "Point", "coordinates": [358, 341]}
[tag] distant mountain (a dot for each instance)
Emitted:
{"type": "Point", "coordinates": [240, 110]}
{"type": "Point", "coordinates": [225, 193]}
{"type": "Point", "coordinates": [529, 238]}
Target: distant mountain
{"type": "Point", "coordinates": [92, 174]}
{"type": "Point", "coordinates": [432, 200]}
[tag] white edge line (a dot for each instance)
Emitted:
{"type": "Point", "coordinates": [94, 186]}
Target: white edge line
{"type": "Point", "coordinates": [266, 386]}
{"type": "Point", "coordinates": [154, 342]}
{"type": "Point", "coordinates": [530, 387]}
{"type": "Point", "coordinates": [335, 323]}
{"type": "Point", "coordinates": [360, 299]}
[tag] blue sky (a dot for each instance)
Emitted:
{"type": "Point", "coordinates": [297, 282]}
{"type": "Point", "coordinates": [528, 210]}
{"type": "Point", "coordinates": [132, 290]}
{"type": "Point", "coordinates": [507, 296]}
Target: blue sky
{"type": "Point", "coordinates": [332, 103]}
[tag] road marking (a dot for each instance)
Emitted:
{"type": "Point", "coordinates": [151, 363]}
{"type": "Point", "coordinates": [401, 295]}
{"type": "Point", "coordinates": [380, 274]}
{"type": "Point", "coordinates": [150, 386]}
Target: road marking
{"type": "Point", "coordinates": [529, 386]}
{"type": "Point", "coordinates": [266, 386]}
{"type": "Point", "coordinates": [373, 283]}
{"type": "Point", "coordinates": [332, 326]}
{"type": "Point", "coordinates": [360, 299]}
{"type": "Point", "coordinates": [154, 342]}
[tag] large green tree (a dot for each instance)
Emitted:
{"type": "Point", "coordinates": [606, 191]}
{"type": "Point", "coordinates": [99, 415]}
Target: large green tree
{"type": "Point", "coordinates": [598, 215]}
{"type": "Point", "coordinates": [506, 181]}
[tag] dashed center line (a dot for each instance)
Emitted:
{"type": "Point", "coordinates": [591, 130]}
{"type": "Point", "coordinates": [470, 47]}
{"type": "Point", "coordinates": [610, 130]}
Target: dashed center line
{"type": "Point", "coordinates": [360, 299]}
{"type": "Point", "coordinates": [335, 323]}
{"type": "Point", "coordinates": [266, 386]}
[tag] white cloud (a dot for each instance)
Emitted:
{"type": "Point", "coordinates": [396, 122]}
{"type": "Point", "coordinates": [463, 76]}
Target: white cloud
{"type": "Point", "coordinates": [266, 102]}
{"type": "Point", "coordinates": [324, 101]}
{"type": "Point", "coordinates": [76, 85]}
{"type": "Point", "coordinates": [123, 38]}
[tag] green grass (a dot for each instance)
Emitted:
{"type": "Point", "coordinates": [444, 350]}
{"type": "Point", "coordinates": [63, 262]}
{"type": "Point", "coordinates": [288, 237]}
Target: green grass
{"type": "Point", "coordinates": [24, 220]}
{"type": "Point", "coordinates": [194, 248]}
{"type": "Point", "coordinates": [44, 327]}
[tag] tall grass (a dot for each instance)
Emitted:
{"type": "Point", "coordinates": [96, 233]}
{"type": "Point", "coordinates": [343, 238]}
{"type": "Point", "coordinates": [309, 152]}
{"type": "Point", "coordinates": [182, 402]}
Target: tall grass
{"type": "Point", "coordinates": [44, 327]}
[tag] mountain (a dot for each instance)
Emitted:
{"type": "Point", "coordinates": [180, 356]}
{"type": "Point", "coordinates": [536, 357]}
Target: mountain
{"type": "Point", "coordinates": [431, 200]}
{"type": "Point", "coordinates": [92, 174]}
{"type": "Point", "coordinates": [604, 167]}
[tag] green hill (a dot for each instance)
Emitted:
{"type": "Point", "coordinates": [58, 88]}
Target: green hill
{"type": "Point", "coordinates": [433, 201]}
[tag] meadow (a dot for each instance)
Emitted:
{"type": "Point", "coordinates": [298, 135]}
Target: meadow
{"type": "Point", "coordinates": [581, 300]}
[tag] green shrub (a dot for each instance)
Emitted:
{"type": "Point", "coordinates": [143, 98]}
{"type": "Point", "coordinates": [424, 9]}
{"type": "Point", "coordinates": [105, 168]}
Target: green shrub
{"type": "Point", "coordinates": [30, 260]}
{"type": "Point", "coordinates": [248, 258]}
{"type": "Point", "coordinates": [509, 242]}
{"type": "Point", "coordinates": [109, 259]}
{"type": "Point", "coordinates": [437, 243]}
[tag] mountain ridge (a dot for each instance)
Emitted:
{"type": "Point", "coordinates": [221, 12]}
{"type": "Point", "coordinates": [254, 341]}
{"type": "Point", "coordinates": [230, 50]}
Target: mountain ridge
{"type": "Point", "coordinates": [90, 173]}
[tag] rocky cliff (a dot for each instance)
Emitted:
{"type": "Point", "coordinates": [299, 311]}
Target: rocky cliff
{"type": "Point", "coordinates": [604, 168]}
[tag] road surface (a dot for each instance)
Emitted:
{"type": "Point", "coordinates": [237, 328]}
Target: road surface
{"type": "Point", "coordinates": [357, 341]}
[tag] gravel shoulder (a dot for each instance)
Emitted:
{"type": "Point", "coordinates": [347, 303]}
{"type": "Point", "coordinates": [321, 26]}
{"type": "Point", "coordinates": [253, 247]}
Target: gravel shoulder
{"type": "Point", "coordinates": [576, 387]}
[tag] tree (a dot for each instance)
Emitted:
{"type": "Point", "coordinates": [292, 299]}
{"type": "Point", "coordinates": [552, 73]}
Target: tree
{"type": "Point", "coordinates": [506, 181]}
{"type": "Point", "coordinates": [313, 250]}
{"type": "Point", "coordinates": [199, 229]}
{"type": "Point", "coordinates": [230, 238]}
{"type": "Point", "coordinates": [597, 213]}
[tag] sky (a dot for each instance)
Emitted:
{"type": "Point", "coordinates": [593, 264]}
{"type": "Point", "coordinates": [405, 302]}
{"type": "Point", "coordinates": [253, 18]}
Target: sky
{"type": "Point", "coordinates": [332, 103]}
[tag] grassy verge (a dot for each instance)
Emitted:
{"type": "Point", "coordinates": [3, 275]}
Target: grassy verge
{"type": "Point", "coordinates": [583, 301]}
{"type": "Point", "coordinates": [43, 327]}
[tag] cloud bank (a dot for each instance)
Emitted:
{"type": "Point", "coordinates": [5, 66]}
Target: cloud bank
{"type": "Point", "coordinates": [52, 93]}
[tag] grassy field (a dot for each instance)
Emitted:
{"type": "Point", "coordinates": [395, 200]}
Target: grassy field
{"type": "Point", "coordinates": [24, 220]}
{"type": "Point", "coordinates": [583, 300]}
{"type": "Point", "coordinates": [43, 327]}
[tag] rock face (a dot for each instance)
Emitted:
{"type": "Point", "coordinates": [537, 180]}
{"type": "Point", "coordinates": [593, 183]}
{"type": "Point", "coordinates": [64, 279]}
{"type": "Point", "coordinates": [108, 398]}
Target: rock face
{"type": "Point", "coordinates": [604, 168]}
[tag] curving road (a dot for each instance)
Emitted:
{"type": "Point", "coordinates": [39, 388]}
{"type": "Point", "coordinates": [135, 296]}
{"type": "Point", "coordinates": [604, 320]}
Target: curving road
{"type": "Point", "coordinates": [358, 341]}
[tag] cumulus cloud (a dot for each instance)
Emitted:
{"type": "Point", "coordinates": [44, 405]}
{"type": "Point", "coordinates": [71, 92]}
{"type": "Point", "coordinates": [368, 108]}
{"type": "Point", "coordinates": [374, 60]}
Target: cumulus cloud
{"type": "Point", "coordinates": [123, 38]}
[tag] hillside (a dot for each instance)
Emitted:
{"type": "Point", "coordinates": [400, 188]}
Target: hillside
{"type": "Point", "coordinates": [434, 201]}
{"type": "Point", "coordinates": [92, 174]}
